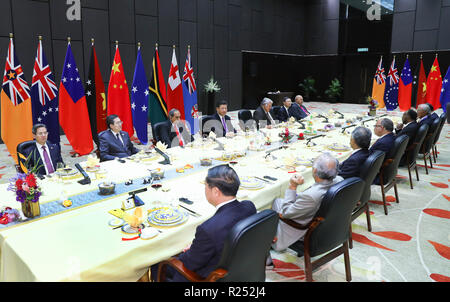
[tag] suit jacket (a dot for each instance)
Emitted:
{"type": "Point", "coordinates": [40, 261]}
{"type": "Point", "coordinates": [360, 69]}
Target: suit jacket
{"type": "Point", "coordinates": [300, 208]}
{"type": "Point", "coordinates": [169, 135]}
{"type": "Point", "coordinates": [260, 116]}
{"type": "Point", "coordinates": [427, 120]}
{"type": "Point", "coordinates": [54, 153]}
{"type": "Point", "coordinates": [352, 165]}
{"type": "Point", "coordinates": [218, 123]}
{"type": "Point", "coordinates": [434, 116]}
{"type": "Point", "coordinates": [284, 115]}
{"type": "Point", "coordinates": [384, 144]}
{"type": "Point", "coordinates": [298, 111]}
{"type": "Point", "coordinates": [206, 248]}
{"type": "Point", "coordinates": [409, 130]}
{"type": "Point", "coordinates": [111, 147]}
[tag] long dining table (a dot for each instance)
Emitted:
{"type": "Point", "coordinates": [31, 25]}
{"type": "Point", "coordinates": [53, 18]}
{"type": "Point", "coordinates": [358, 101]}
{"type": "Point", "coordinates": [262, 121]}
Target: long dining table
{"type": "Point", "coordinates": [77, 243]}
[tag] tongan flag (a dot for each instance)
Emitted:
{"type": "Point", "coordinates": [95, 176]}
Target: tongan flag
{"type": "Point", "coordinates": [16, 117]}
{"type": "Point", "coordinates": [445, 91]}
{"type": "Point", "coordinates": [379, 83]}
{"type": "Point", "coordinates": [139, 100]}
{"type": "Point", "coordinates": [391, 90]}
{"type": "Point", "coordinates": [44, 96]}
{"type": "Point", "coordinates": [434, 85]}
{"type": "Point", "coordinates": [174, 89]}
{"type": "Point", "coordinates": [190, 94]}
{"type": "Point", "coordinates": [73, 112]}
{"type": "Point", "coordinates": [405, 87]}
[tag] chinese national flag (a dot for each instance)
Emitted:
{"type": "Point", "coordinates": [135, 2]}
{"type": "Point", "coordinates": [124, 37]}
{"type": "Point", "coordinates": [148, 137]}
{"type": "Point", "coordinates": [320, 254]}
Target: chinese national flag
{"type": "Point", "coordinates": [421, 85]}
{"type": "Point", "coordinates": [118, 96]}
{"type": "Point", "coordinates": [174, 88]}
{"type": "Point", "coordinates": [434, 85]}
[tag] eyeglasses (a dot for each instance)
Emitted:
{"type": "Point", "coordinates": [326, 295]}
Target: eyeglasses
{"type": "Point", "coordinates": [42, 133]}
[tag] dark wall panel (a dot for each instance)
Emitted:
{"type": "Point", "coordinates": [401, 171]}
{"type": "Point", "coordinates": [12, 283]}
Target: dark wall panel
{"type": "Point", "coordinates": [404, 5]}
{"type": "Point", "coordinates": [147, 34]}
{"type": "Point", "coordinates": [121, 20]}
{"type": "Point", "coordinates": [425, 40]}
{"type": "Point", "coordinates": [99, 4]}
{"type": "Point", "coordinates": [427, 14]}
{"type": "Point", "coordinates": [168, 25]}
{"type": "Point", "coordinates": [403, 31]}
{"type": "Point", "coordinates": [146, 7]}
{"type": "Point", "coordinates": [444, 33]}
{"type": "Point", "coordinates": [6, 19]}
{"type": "Point", "coordinates": [188, 10]}
{"type": "Point", "coordinates": [205, 24]}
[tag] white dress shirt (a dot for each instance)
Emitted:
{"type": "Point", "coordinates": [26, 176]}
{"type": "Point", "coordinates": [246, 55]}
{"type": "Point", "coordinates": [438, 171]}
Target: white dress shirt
{"type": "Point", "coordinates": [224, 203]}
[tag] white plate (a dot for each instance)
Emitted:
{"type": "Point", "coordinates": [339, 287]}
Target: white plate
{"type": "Point", "coordinates": [115, 222]}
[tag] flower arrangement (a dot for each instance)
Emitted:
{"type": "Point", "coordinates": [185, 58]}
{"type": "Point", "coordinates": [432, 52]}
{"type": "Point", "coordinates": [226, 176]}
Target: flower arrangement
{"type": "Point", "coordinates": [212, 86]}
{"type": "Point", "coordinates": [268, 141]}
{"type": "Point", "coordinates": [372, 103]}
{"type": "Point", "coordinates": [26, 187]}
{"type": "Point", "coordinates": [285, 136]}
{"type": "Point", "coordinates": [8, 215]}
{"type": "Point", "coordinates": [301, 136]}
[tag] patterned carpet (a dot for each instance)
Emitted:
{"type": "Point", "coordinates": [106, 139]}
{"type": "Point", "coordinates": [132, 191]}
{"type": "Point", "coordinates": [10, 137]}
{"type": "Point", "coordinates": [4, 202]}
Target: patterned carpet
{"type": "Point", "coordinates": [412, 243]}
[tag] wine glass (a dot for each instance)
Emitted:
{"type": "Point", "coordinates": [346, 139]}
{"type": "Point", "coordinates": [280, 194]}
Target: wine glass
{"type": "Point", "coordinates": [60, 167]}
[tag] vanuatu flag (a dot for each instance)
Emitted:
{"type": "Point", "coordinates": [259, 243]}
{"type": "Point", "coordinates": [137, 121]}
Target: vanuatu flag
{"type": "Point", "coordinates": [16, 115]}
{"type": "Point", "coordinates": [158, 107]}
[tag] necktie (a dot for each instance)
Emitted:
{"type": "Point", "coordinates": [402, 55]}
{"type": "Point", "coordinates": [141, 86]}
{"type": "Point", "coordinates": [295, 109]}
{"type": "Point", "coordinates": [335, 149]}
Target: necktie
{"type": "Point", "coordinates": [272, 122]}
{"type": "Point", "coordinates": [304, 110]}
{"type": "Point", "coordinates": [47, 161]}
{"type": "Point", "coordinates": [180, 139]}
{"type": "Point", "coordinates": [224, 125]}
{"type": "Point", "coordinates": [287, 111]}
{"type": "Point", "coordinates": [118, 138]}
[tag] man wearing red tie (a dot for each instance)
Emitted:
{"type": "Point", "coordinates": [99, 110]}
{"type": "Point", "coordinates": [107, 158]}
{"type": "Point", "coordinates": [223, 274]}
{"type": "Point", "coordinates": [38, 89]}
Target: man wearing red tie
{"type": "Point", "coordinates": [175, 132]}
{"type": "Point", "coordinates": [298, 110]}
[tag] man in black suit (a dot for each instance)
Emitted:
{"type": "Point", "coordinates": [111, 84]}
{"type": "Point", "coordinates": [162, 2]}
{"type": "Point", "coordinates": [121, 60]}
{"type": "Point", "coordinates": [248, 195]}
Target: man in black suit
{"type": "Point", "coordinates": [203, 255]}
{"type": "Point", "coordinates": [220, 123]}
{"type": "Point", "coordinates": [299, 111]}
{"type": "Point", "coordinates": [424, 116]}
{"type": "Point", "coordinates": [43, 154]}
{"type": "Point", "coordinates": [285, 112]}
{"type": "Point", "coordinates": [264, 115]}
{"type": "Point", "coordinates": [409, 126]}
{"type": "Point", "coordinates": [383, 129]}
{"type": "Point", "coordinates": [360, 142]}
{"type": "Point", "coordinates": [433, 114]}
{"type": "Point", "coordinates": [115, 143]}
{"type": "Point", "coordinates": [175, 132]}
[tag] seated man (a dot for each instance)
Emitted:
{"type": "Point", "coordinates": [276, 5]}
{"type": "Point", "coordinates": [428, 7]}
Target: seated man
{"type": "Point", "coordinates": [221, 122]}
{"type": "Point", "coordinates": [302, 207]}
{"type": "Point", "coordinates": [408, 126]}
{"type": "Point", "coordinates": [360, 142]}
{"type": "Point", "coordinates": [298, 110]}
{"type": "Point", "coordinates": [203, 255]}
{"type": "Point", "coordinates": [115, 143]}
{"type": "Point", "coordinates": [285, 111]}
{"type": "Point", "coordinates": [383, 129]}
{"type": "Point", "coordinates": [175, 132]}
{"type": "Point", "coordinates": [433, 114]}
{"type": "Point", "coordinates": [423, 115]}
{"type": "Point", "coordinates": [44, 154]}
{"type": "Point", "coordinates": [263, 115]}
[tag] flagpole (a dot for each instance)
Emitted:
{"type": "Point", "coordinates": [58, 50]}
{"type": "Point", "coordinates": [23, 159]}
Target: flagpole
{"type": "Point", "coordinates": [117, 44]}
{"type": "Point", "coordinates": [68, 40]}
{"type": "Point", "coordinates": [92, 41]}
{"type": "Point", "coordinates": [156, 45]}
{"type": "Point", "coordinates": [139, 45]}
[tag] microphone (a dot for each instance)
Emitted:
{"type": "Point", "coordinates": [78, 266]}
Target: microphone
{"type": "Point", "coordinates": [220, 147]}
{"type": "Point", "coordinates": [326, 119]}
{"type": "Point", "coordinates": [341, 115]}
{"type": "Point", "coordinates": [166, 160]}
{"type": "Point", "coordinates": [302, 124]}
{"type": "Point", "coordinates": [87, 179]}
{"type": "Point", "coordinates": [349, 126]}
{"type": "Point", "coordinates": [137, 200]}
{"type": "Point", "coordinates": [313, 137]}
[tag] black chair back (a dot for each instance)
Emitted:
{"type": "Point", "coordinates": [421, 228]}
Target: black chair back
{"type": "Point", "coordinates": [369, 171]}
{"type": "Point", "coordinates": [202, 122]}
{"type": "Point", "coordinates": [276, 111]}
{"type": "Point", "coordinates": [439, 129]}
{"type": "Point", "coordinates": [21, 156]}
{"type": "Point", "coordinates": [336, 209]}
{"type": "Point", "coordinates": [245, 118]}
{"type": "Point", "coordinates": [429, 138]}
{"type": "Point", "coordinates": [157, 131]}
{"type": "Point", "coordinates": [390, 171]}
{"type": "Point", "coordinates": [247, 246]}
{"type": "Point", "coordinates": [418, 141]}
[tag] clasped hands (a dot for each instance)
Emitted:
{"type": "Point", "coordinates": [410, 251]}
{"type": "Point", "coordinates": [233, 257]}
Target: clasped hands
{"type": "Point", "coordinates": [295, 181]}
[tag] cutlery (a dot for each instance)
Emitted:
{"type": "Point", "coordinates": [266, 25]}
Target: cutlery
{"type": "Point", "coordinates": [262, 179]}
{"type": "Point", "coordinates": [270, 177]}
{"type": "Point", "coordinates": [195, 214]}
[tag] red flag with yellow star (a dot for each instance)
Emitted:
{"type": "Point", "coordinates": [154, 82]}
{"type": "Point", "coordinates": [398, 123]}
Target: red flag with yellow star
{"type": "Point", "coordinates": [118, 96]}
{"type": "Point", "coordinates": [434, 85]}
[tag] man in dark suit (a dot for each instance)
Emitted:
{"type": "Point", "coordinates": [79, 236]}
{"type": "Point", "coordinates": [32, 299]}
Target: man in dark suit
{"type": "Point", "coordinates": [115, 143]}
{"type": "Point", "coordinates": [264, 115]}
{"type": "Point", "coordinates": [423, 115]}
{"type": "Point", "coordinates": [220, 123]}
{"type": "Point", "coordinates": [299, 111]}
{"type": "Point", "coordinates": [409, 126]}
{"type": "Point", "coordinates": [43, 154]}
{"type": "Point", "coordinates": [360, 142]}
{"type": "Point", "coordinates": [433, 114]}
{"type": "Point", "coordinates": [175, 132]}
{"type": "Point", "coordinates": [383, 129]}
{"type": "Point", "coordinates": [203, 255]}
{"type": "Point", "coordinates": [285, 112]}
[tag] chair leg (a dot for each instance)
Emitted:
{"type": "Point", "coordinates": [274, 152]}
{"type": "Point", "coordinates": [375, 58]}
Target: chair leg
{"type": "Point", "coordinates": [348, 272]}
{"type": "Point", "coordinates": [308, 266]}
{"type": "Point", "coordinates": [396, 192]}
{"type": "Point", "coordinates": [369, 224]}
{"type": "Point", "coordinates": [426, 165]}
{"type": "Point", "coordinates": [384, 199]}
{"type": "Point", "coordinates": [417, 172]}
{"type": "Point", "coordinates": [431, 162]}
{"type": "Point", "coordinates": [410, 178]}
{"type": "Point", "coordinates": [350, 240]}
{"type": "Point", "coordinates": [435, 151]}
{"type": "Point", "coordinates": [434, 154]}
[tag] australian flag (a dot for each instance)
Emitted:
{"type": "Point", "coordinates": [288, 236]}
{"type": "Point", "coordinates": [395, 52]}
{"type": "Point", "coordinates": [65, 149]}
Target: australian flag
{"type": "Point", "coordinates": [139, 100]}
{"type": "Point", "coordinates": [445, 91]}
{"type": "Point", "coordinates": [44, 96]}
{"type": "Point", "coordinates": [190, 95]}
{"type": "Point", "coordinates": [391, 89]}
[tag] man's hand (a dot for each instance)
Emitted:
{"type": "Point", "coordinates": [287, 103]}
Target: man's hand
{"type": "Point", "coordinates": [186, 248]}
{"type": "Point", "coordinates": [295, 181]}
{"type": "Point", "coordinates": [269, 126]}
{"type": "Point", "coordinates": [399, 126]}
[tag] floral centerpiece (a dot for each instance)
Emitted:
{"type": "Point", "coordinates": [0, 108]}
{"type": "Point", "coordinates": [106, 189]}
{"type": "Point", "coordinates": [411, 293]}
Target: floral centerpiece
{"type": "Point", "coordinates": [301, 136]}
{"type": "Point", "coordinates": [8, 215]}
{"type": "Point", "coordinates": [285, 136]}
{"type": "Point", "coordinates": [372, 106]}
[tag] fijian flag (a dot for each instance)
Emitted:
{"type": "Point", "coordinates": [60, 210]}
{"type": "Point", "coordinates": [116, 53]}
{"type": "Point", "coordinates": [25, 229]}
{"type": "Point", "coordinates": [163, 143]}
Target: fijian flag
{"type": "Point", "coordinates": [190, 94]}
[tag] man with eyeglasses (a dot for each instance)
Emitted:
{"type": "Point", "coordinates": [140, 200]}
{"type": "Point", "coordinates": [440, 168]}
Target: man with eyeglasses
{"type": "Point", "coordinates": [383, 129]}
{"type": "Point", "coordinates": [115, 143]}
{"type": "Point", "coordinates": [44, 154]}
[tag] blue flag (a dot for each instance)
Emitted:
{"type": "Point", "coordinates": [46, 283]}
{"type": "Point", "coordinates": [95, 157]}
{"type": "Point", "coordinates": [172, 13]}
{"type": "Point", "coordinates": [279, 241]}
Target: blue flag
{"type": "Point", "coordinates": [391, 89]}
{"type": "Point", "coordinates": [139, 100]}
{"type": "Point", "coordinates": [190, 95]}
{"type": "Point", "coordinates": [44, 96]}
{"type": "Point", "coordinates": [445, 91]}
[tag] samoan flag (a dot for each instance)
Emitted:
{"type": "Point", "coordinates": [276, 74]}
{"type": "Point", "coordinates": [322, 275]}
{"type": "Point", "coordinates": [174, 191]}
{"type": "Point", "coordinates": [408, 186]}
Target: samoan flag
{"type": "Point", "coordinates": [44, 96]}
{"type": "Point", "coordinates": [190, 95]}
{"type": "Point", "coordinates": [139, 100]}
{"type": "Point", "coordinates": [391, 89]}
{"type": "Point", "coordinates": [445, 91]}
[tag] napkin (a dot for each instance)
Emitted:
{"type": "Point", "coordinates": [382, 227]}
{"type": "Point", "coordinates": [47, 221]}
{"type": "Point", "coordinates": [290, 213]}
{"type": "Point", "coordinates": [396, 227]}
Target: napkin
{"type": "Point", "coordinates": [92, 161]}
{"type": "Point", "coordinates": [292, 119]}
{"type": "Point", "coordinates": [135, 219]}
{"type": "Point", "coordinates": [161, 146]}
{"type": "Point", "coordinates": [289, 159]}
{"type": "Point", "coordinates": [212, 134]}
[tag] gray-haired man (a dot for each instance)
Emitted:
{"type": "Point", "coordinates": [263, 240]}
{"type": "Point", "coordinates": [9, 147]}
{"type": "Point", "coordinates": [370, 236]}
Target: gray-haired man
{"type": "Point", "coordinates": [360, 143]}
{"type": "Point", "coordinates": [263, 115]}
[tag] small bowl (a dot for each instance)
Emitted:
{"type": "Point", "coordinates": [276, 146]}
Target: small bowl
{"type": "Point", "coordinates": [205, 161]}
{"type": "Point", "coordinates": [156, 186]}
{"type": "Point", "coordinates": [227, 156]}
{"type": "Point", "coordinates": [106, 188]}
{"type": "Point", "coordinates": [157, 173]}
{"type": "Point", "coordinates": [233, 163]}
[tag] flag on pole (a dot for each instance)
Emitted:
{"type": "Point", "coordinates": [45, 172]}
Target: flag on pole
{"type": "Point", "coordinates": [174, 89]}
{"type": "Point", "coordinates": [190, 94]}
{"type": "Point", "coordinates": [139, 99]}
{"type": "Point", "coordinates": [405, 87]}
{"type": "Point", "coordinates": [379, 83]}
{"type": "Point", "coordinates": [445, 91]}
{"type": "Point", "coordinates": [44, 96]}
{"type": "Point", "coordinates": [96, 97]}
{"type": "Point", "coordinates": [419, 85]}
{"type": "Point", "coordinates": [157, 103]}
{"type": "Point", "coordinates": [434, 85]}
{"type": "Point", "coordinates": [73, 112]}
{"type": "Point", "coordinates": [118, 96]}
{"type": "Point", "coordinates": [16, 116]}
{"type": "Point", "coordinates": [391, 90]}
